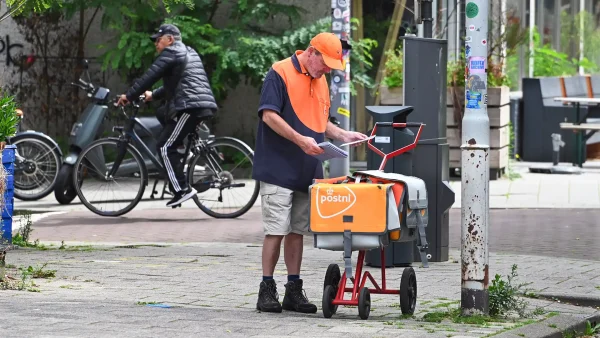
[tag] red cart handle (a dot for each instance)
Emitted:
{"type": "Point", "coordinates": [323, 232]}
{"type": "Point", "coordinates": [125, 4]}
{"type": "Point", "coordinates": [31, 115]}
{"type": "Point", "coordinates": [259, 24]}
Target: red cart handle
{"type": "Point", "coordinates": [397, 151]}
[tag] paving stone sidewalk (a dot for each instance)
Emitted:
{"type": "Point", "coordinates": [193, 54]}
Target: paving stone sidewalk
{"type": "Point", "coordinates": [211, 289]}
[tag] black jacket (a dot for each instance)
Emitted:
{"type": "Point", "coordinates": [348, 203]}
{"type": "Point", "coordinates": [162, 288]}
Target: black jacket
{"type": "Point", "coordinates": [194, 90]}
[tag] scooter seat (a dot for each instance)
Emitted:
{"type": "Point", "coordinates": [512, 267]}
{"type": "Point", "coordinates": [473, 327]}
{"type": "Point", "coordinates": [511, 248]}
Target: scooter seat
{"type": "Point", "coordinates": [150, 123]}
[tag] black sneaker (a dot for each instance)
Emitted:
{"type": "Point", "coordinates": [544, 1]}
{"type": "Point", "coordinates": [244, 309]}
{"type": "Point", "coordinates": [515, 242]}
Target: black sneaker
{"type": "Point", "coordinates": [181, 196]}
{"type": "Point", "coordinates": [268, 299]}
{"type": "Point", "coordinates": [295, 298]}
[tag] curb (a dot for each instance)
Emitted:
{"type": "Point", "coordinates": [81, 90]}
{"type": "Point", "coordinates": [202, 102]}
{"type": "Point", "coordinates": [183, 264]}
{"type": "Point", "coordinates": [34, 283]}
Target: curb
{"type": "Point", "coordinates": [34, 218]}
{"type": "Point", "coordinates": [553, 327]}
{"type": "Point", "coordinates": [578, 300]}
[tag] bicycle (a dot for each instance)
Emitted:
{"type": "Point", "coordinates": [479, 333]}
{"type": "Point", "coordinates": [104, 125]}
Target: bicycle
{"type": "Point", "coordinates": [203, 160]}
{"type": "Point", "coordinates": [38, 160]}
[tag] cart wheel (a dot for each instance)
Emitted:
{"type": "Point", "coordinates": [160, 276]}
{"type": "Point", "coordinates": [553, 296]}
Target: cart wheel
{"type": "Point", "coordinates": [328, 296]}
{"type": "Point", "coordinates": [408, 291]}
{"type": "Point", "coordinates": [332, 276]}
{"type": "Point", "coordinates": [364, 303]}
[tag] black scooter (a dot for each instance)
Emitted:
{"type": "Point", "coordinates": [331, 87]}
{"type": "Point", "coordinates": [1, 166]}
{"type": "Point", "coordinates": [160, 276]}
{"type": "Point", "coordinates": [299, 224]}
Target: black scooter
{"type": "Point", "coordinates": [87, 129]}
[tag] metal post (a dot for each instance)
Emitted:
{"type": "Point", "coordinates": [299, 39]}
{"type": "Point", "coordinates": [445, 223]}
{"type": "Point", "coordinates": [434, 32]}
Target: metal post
{"type": "Point", "coordinates": [531, 30]}
{"type": "Point", "coordinates": [340, 82]}
{"type": "Point", "coordinates": [427, 15]}
{"type": "Point", "coordinates": [557, 143]}
{"type": "Point", "coordinates": [475, 164]}
{"type": "Point", "coordinates": [581, 33]}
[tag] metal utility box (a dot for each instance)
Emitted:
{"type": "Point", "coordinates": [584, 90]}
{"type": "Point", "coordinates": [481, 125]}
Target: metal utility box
{"type": "Point", "coordinates": [425, 79]}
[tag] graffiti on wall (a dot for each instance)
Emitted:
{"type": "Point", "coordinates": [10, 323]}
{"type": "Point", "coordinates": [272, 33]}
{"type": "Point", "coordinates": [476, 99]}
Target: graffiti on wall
{"type": "Point", "coordinates": [9, 51]}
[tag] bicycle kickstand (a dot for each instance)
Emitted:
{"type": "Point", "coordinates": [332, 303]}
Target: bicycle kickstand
{"type": "Point", "coordinates": [162, 197]}
{"type": "Point", "coordinates": [154, 192]}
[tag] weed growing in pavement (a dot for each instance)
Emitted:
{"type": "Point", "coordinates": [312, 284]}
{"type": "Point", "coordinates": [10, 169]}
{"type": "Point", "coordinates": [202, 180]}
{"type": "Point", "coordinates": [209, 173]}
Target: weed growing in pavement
{"type": "Point", "coordinates": [25, 280]}
{"type": "Point", "coordinates": [21, 239]}
{"type": "Point", "coordinates": [504, 296]}
{"type": "Point", "coordinates": [591, 330]}
{"type": "Point", "coordinates": [504, 303]}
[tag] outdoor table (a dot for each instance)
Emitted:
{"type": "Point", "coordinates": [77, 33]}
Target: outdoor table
{"type": "Point", "coordinates": [578, 101]}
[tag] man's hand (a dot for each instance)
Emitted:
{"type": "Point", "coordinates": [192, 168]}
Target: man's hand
{"type": "Point", "coordinates": [148, 95]}
{"type": "Point", "coordinates": [309, 145]}
{"type": "Point", "coordinates": [351, 136]}
{"type": "Point", "coordinates": [122, 100]}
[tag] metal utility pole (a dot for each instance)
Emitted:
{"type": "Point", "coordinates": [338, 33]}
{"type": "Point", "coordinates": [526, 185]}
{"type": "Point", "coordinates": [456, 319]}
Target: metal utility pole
{"type": "Point", "coordinates": [340, 82]}
{"type": "Point", "coordinates": [424, 15]}
{"type": "Point", "coordinates": [531, 31]}
{"type": "Point", "coordinates": [581, 33]}
{"type": "Point", "coordinates": [475, 164]}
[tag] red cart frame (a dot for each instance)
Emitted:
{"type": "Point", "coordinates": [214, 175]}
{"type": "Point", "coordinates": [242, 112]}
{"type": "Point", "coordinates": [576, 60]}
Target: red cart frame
{"type": "Point", "coordinates": [360, 295]}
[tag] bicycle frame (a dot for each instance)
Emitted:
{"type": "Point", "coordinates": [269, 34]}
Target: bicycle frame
{"type": "Point", "coordinates": [129, 136]}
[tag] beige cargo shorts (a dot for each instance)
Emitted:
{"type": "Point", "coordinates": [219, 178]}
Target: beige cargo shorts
{"type": "Point", "coordinates": [283, 210]}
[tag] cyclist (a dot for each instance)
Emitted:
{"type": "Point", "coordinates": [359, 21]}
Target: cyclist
{"type": "Point", "coordinates": [189, 100]}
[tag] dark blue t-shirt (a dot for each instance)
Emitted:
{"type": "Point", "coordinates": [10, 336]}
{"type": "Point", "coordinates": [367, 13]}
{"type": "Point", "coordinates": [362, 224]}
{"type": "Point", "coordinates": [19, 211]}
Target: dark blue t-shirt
{"type": "Point", "coordinates": [303, 103]}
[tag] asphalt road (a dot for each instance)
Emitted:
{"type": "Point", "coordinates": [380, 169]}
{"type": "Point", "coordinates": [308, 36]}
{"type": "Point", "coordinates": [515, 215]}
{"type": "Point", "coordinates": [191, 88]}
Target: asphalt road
{"type": "Point", "coordinates": [568, 233]}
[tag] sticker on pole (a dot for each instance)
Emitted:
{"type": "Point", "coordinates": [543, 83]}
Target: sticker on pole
{"type": "Point", "coordinates": [343, 111]}
{"type": "Point", "coordinates": [471, 10]}
{"type": "Point", "coordinates": [467, 50]}
{"type": "Point", "coordinates": [477, 65]}
{"type": "Point", "coordinates": [337, 13]}
{"type": "Point", "coordinates": [472, 28]}
{"type": "Point", "coordinates": [473, 100]}
{"type": "Point", "coordinates": [474, 89]}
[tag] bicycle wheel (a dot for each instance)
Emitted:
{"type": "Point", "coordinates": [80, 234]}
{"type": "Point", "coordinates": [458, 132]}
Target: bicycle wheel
{"type": "Point", "coordinates": [126, 186]}
{"type": "Point", "coordinates": [223, 177]}
{"type": "Point", "coordinates": [37, 168]}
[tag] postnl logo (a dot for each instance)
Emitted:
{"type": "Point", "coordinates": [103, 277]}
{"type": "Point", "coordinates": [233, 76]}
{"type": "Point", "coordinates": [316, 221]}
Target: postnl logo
{"type": "Point", "coordinates": [334, 202]}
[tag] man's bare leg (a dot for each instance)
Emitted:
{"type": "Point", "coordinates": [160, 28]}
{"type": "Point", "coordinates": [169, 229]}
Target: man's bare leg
{"type": "Point", "coordinates": [270, 254]}
{"type": "Point", "coordinates": [295, 299]}
{"type": "Point", "coordinates": [292, 253]}
{"type": "Point", "coordinates": [267, 295]}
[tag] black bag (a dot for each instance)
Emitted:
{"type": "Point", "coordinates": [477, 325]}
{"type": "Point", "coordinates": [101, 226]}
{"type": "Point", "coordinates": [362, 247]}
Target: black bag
{"type": "Point", "coordinates": [169, 112]}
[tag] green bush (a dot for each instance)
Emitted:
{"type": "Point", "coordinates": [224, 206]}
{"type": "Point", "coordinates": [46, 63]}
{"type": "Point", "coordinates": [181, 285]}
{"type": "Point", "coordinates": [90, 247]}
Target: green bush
{"type": "Point", "coordinates": [394, 68]}
{"type": "Point", "coordinates": [8, 117]}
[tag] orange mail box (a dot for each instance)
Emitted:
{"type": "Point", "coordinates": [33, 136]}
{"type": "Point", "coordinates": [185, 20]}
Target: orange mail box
{"type": "Point", "coordinates": [360, 208]}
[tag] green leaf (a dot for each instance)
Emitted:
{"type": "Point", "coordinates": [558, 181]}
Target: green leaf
{"type": "Point", "coordinates": [122, 42]}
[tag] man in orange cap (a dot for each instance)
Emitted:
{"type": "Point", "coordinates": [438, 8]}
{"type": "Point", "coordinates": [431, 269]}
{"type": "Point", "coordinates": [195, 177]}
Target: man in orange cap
{"type": "Point", "coordinates": [293, 118]}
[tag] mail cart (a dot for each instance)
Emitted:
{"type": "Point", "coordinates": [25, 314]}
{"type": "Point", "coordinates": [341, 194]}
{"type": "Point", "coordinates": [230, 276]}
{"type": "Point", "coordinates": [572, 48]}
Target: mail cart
{"type": "Point", "coordinates": [369, 210]}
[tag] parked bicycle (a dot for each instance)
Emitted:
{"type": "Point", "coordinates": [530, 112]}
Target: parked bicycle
{"type": "Point", "coordinates": [217, 167]}
{"type": "Point", "coordinates": [38, 160]}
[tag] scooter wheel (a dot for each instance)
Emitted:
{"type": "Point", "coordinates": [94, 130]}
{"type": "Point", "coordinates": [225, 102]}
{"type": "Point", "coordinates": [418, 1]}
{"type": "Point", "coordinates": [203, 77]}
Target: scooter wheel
{"type": "Point", "coordinates": [64, 191]}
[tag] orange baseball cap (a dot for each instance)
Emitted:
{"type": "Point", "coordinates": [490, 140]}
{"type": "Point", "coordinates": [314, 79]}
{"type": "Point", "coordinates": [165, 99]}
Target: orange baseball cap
{"type": "Point", "coordinates": [330, 46]}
